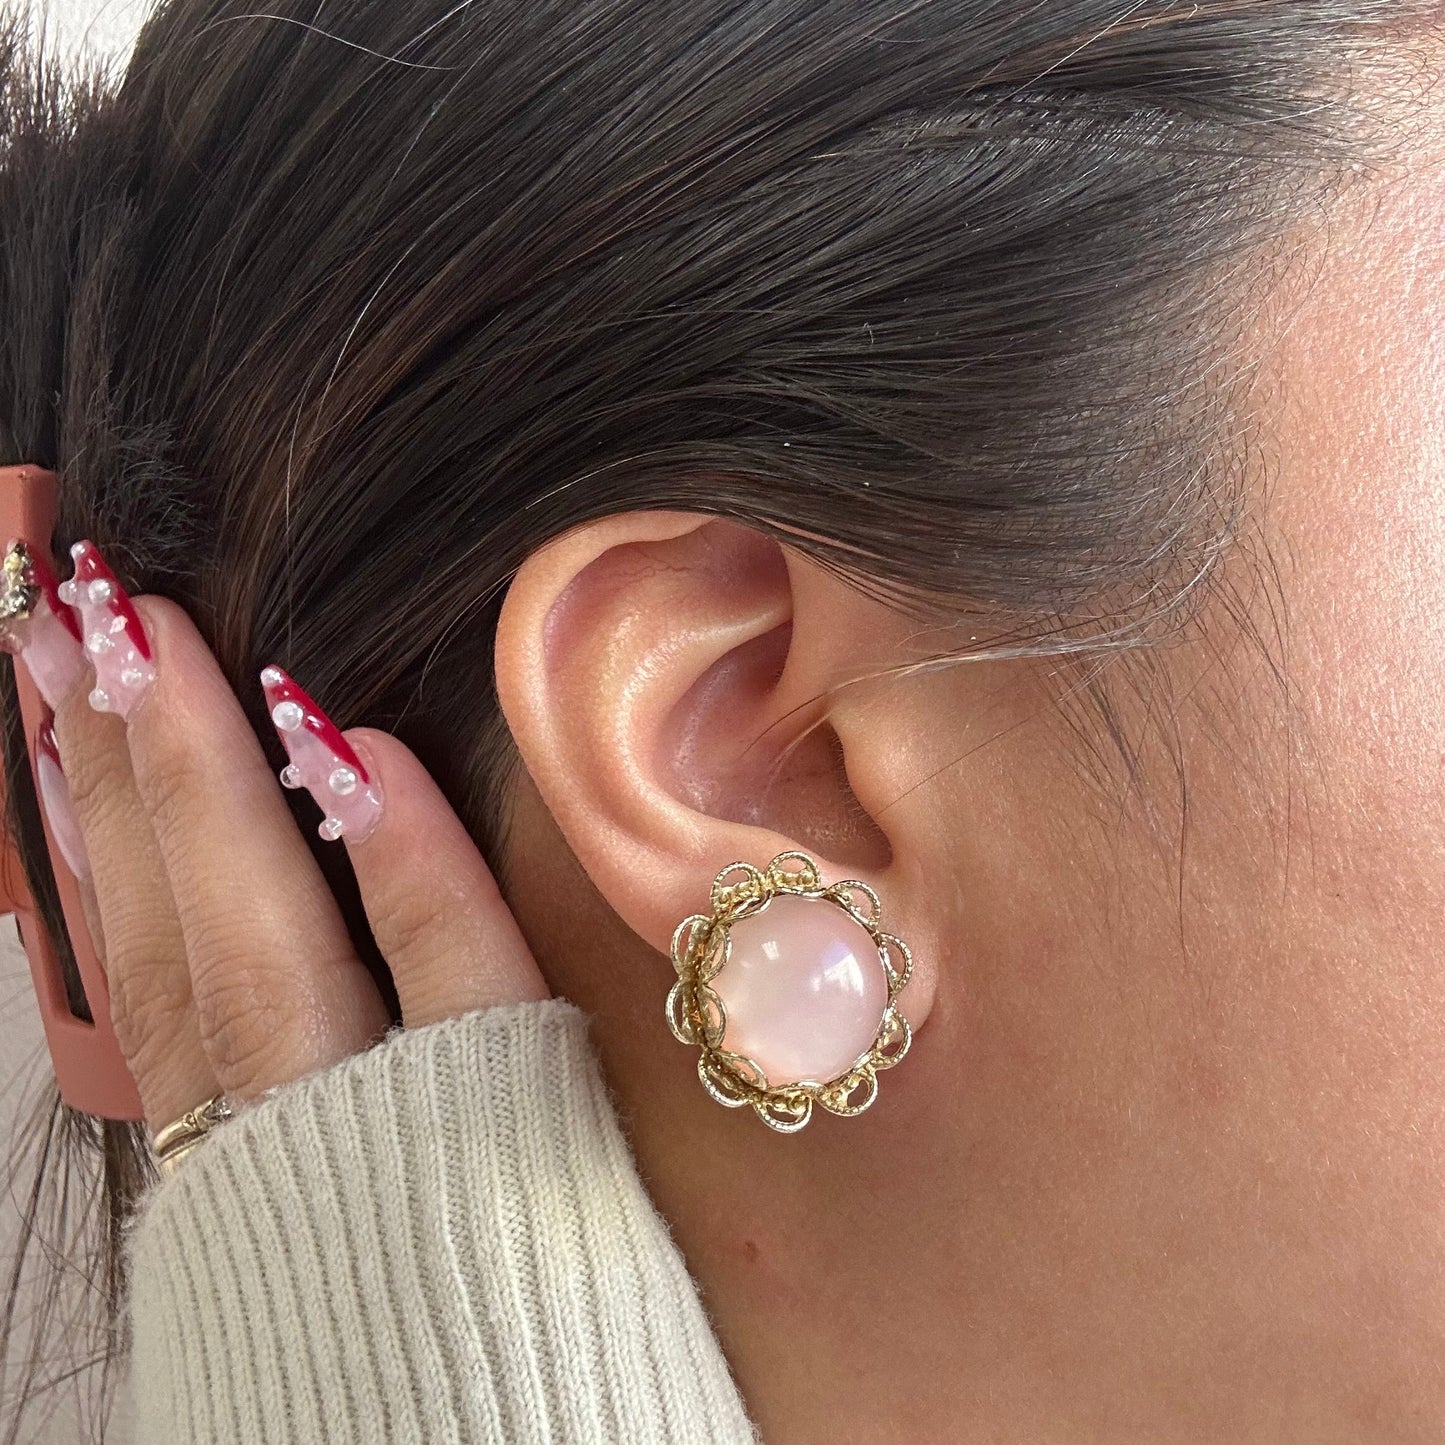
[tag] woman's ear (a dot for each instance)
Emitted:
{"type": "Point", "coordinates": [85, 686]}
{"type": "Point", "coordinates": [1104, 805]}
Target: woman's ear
{"type": "Point", "coordinates": [665, 678]}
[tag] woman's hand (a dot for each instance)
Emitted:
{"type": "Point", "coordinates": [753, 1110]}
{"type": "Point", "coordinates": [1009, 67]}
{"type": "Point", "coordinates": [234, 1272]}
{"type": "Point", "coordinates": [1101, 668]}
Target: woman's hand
{"type": "Point", "coordinates": [229, 966]}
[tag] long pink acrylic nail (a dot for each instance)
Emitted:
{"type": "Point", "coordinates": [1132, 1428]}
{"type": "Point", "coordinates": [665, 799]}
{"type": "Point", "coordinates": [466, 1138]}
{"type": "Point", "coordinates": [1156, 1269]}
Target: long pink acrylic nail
{"type": "Point", "coordinates": [39, 629]}
{"type": "Point", "coordinates": [55, 799]}
{"type": "Point", "coordinates": [322, 761]}
{"type": "Point", "coordinates": [115, 640]}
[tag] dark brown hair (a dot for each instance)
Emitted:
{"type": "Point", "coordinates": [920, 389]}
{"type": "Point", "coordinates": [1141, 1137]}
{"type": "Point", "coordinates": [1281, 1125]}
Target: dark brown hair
{"type": "Point", "coordinates": [327, 327]}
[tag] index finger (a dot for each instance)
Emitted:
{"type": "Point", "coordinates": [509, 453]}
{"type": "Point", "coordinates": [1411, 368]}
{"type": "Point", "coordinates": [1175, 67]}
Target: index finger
{"type": "Point", "coordinates": [438, 917]}
{"type": "Point", "coordinates": [279, 989]}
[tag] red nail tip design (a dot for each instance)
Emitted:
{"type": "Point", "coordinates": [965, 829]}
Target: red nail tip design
{"type": "Point", "coordinates": [281, 687]}
{"type": "Point", "coordinates": [114, 637]}
{"type": "Point", "coordinates": [49, 586]}
{"type": "Point", "coordinates": [321, 760]}
{"type": "Point", "coordinates": [55, 799]}
{"type": "Point", "coordinates": [90, 567]}
{"type": "Point", "coordinates": [45, 740]}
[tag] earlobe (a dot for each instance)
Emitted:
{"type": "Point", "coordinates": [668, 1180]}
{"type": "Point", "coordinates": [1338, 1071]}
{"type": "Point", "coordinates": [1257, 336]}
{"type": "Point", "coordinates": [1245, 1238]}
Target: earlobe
{"type": "Point", "coordinates": [665, 678]}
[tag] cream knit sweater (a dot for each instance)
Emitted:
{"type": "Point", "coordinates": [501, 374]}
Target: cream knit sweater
{"type": "Point", "coordinates": [442, 1240]}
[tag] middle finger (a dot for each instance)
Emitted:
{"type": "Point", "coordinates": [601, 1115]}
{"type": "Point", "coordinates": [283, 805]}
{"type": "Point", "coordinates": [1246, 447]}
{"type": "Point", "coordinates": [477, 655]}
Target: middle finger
{"type": "Point", "coordinates": [278, 986]}
{"type": "Point", "coordinates": [139, 940]}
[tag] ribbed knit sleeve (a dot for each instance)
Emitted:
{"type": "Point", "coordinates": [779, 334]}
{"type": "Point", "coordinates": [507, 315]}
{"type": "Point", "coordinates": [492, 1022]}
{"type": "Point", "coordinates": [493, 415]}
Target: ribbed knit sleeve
{"type": "Point", "coordinates": [443, 1239]}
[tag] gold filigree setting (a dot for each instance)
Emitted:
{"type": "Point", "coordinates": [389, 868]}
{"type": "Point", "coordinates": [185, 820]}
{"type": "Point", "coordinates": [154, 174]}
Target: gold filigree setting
{"type": "Point", "coordinates": [696, 1015]}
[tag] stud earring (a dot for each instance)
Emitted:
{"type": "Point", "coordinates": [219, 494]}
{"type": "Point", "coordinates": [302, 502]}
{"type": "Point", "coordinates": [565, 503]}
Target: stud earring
{"type": "Point", "coordinates": [789, 987]}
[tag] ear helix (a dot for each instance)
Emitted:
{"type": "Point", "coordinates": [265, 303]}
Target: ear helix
{"type": "Point", "coordinates": [789, 989]}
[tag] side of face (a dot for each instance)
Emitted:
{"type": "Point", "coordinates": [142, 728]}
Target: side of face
{"type": "Point", "coordinates": [1171, 1142]}
{"type": "Point", "coordinates": [1202, 1034]}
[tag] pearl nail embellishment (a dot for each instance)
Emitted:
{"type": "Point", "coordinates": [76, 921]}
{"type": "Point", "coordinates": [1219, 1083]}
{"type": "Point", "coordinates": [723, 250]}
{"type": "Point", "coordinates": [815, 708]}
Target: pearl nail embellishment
{"type": "Point", "coordinates": [114, 639]}
{"type": "Point", "coordinates": [322, 761]}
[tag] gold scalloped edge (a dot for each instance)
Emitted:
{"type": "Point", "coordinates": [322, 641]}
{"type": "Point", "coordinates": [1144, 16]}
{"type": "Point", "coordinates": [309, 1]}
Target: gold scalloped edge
{"type": "Point", "coordinates": [683, 946]}
{"type": "Point", "coordinates": [732, 1079]}
{"type": "Point", "coordinates": [696, 1015]}
{"type": "Point", "coordinates": [842, 894]}
{"type": "Point", "coordinates": [700, 947]}
{"type": "Point", "coordinates": [721, 1083]}
{"type": "Point", "coordinates": [713, 1015]}
{"type": "Point", "coordinates": [837, 1098]}
{"type": "Point", "coordinates": [726, 898]}
{"type": "Point", "coordinates": [713, 956]}
{"type": "Point", "coordinates": [894, 1026]}
{"type": "Point", "coordinates": [793, 880]}
{"type": "Point", "coordinates": [722, 1076]}
{"type": "Point", "coordinates": [897, 977]}
{"type": "Point", "coordinates": [677, 1015]}
{"type": "Point", "coordinates": [785, 1113]}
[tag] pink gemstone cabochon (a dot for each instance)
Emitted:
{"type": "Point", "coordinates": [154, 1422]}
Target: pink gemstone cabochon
{"type": "Point", "coordinates": [114, 638]}
{"type": "Point", "coordinates": [804, 989]}
{"type": "Point", "coordinates": [321, 761]}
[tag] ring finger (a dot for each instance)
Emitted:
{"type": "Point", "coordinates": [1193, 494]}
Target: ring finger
{"type": "Point", "coordinates": [279, 989]}
{"type": "Point", "coordinates": [140, 937]}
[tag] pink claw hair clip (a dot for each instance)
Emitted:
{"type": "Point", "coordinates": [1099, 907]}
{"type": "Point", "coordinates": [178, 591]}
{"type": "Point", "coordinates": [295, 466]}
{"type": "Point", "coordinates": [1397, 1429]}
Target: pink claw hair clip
{"type": "Point", "coordinates": [89, 1066]}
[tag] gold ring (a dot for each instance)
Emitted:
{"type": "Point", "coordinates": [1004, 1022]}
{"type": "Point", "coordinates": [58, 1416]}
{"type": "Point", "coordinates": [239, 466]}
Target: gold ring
{"type": "Point", "coordinates": [180, 1137]}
